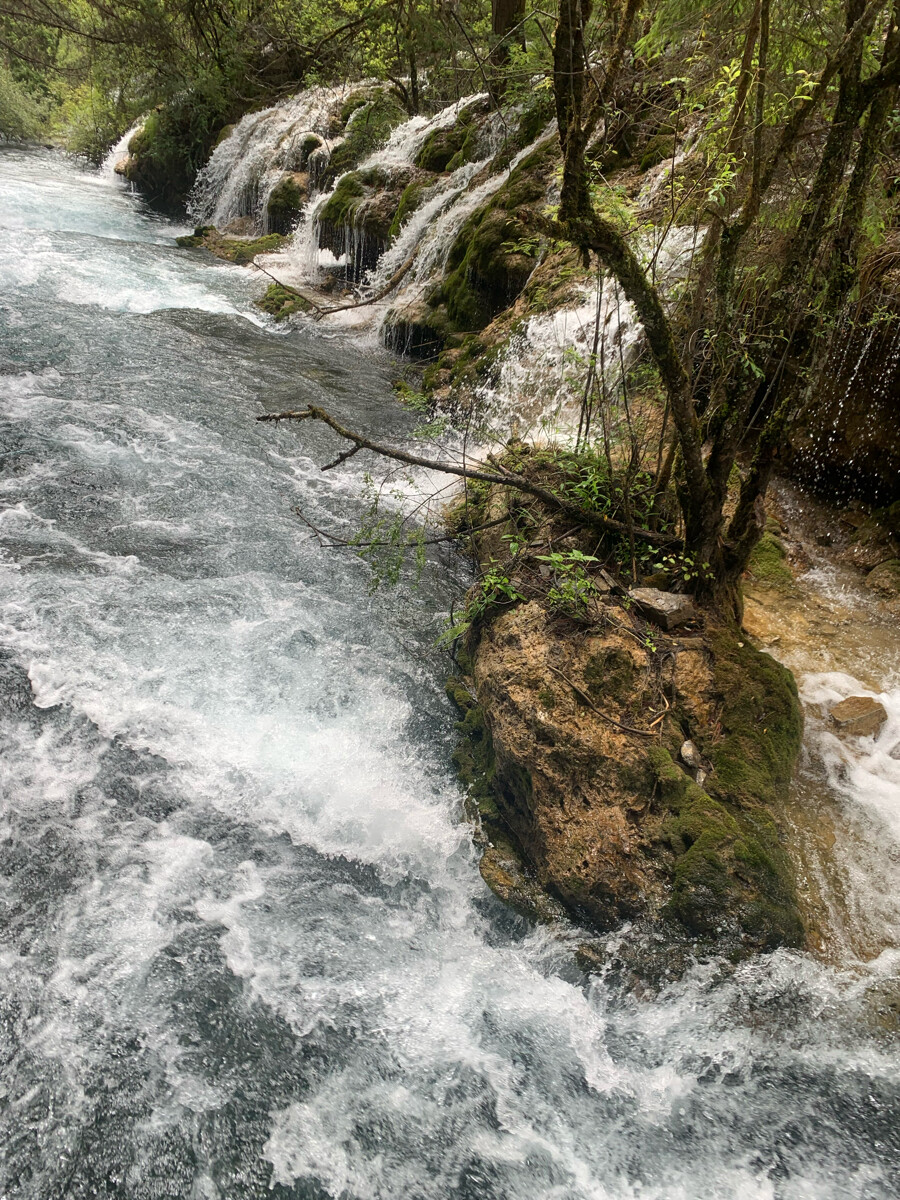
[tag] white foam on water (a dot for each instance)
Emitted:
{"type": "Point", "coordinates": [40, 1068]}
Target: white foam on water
{"type": "Point", "coordinates": [246, 946]}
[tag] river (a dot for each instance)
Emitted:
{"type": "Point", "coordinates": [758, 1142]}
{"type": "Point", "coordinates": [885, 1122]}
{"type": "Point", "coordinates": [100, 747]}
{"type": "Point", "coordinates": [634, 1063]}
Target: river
{"type": "Point", "coordinates": [245, 948]}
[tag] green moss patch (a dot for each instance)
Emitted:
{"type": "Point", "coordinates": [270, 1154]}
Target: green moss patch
{"type": "Point", "coordinates": [240, 251]}
{"type": "Point", "coordinates": [368, 127]}
{"type": "Point", "coordinates": [281, 303]}
{"type": "Point", "coordinates": [450, 148]}
{"type": "Point", "coordinates": [768, 563]}
{"type": "Point", "coordinates": [286, 202]}
{"type": "Point", "coordinates": [495, 251]}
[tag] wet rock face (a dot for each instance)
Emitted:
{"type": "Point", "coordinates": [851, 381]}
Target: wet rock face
{"type": "Point", "coordinates": [885, 578]}
{"type": "Point", "coordinates": [848, 442]}
{"type": "Point", "coordinates": [860, 716]}
{"type": "Point", "coordinates": [582, 771]}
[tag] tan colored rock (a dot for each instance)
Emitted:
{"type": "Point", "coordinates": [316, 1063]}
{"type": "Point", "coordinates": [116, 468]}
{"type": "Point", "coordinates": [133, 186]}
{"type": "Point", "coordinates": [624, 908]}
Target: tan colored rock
{"type": "Point", "coordinates": [666, 609]}
{"type": "Point", "coordinates": [583, 745]}
{"type": "Point", "coordinates": [859, 715]}
{"type": "Point", "coordinates": [885, 579]}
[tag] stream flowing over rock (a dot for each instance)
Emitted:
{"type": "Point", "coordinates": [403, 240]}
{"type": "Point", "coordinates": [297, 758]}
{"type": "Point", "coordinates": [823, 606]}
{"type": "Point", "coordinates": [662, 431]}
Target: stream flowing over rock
{"type": "Point", "coordinates": [246, 948]}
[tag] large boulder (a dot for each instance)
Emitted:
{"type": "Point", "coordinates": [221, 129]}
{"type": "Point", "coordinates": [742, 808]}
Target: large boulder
{"type": "Point", "coordinates": [581, 775]}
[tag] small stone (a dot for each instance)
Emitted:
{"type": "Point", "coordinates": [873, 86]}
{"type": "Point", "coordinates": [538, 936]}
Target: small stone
{"type": "Point", "coordinates": [666, 609]}
{"type": "Point", "coordinates": [690, 755]}
{"type": "Point", "coordinates": [859, 715]}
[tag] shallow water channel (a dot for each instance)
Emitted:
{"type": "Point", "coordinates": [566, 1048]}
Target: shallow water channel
{"type": "Point", "coordinates": [244, 947]}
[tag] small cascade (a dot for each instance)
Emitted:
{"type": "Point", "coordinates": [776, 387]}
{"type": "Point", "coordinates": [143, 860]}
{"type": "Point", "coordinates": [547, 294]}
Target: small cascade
{"type": "Point", "coordinates": [118, 155]}
{"type": "Point", "coordinates": [247, 165]}
{"type": "Point", "coordinates": [545, 362]}
{"type": "Point", "coordinates": [363, 259]}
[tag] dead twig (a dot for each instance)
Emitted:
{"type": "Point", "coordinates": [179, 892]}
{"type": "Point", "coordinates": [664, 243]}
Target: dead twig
{"type": "Point", "coordinates": [600, 713]}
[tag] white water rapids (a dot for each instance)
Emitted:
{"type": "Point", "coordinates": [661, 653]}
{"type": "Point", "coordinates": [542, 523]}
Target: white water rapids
{"type": "Point", "coordinates": [245, 949]}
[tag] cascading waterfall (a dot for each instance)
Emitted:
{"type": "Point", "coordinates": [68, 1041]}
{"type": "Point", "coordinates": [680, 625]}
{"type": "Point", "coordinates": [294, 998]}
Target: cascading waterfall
{"type": "Point", "coordinates": [245, 948]}
{"type": "Point", "coordinates": [245, 166]}
{"type": "Point", "coordinates": [306, 257]}
{"type": "Point", "coordinates": [537, 384]}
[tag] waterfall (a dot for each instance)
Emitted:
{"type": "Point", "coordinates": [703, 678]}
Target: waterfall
{"type": "Point", "coordinates": [247, 164]}
{"type": "Point", "coordinates": [307, 256]}
{"type": "Point", "coordinates": [537, 381]}
{"type": "Point", "coordinates": [119, 151]}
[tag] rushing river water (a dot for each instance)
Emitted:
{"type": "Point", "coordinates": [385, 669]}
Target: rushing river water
{"type": "Point", "coordinates": [246, 951]}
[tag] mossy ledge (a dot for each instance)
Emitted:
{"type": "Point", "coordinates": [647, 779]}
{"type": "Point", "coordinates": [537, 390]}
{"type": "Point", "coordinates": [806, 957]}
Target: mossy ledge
{"type": "Point", "coordinates": [570, 749]}
{"type": "Point", "coordinates": [241, 251]}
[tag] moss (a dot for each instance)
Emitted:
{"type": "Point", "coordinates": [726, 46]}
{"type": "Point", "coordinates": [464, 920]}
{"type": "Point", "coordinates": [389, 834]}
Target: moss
{"type": "Point", "coordinates": [368, 128]}
{"type": "Point", "coordinates": [410, 199]}
{"type": "Point", "coordinates": [660, 147]}
{"type": "Point", "coordinates": [174, 143]}
{"type": "Point", "coordinates": [761, 723]}
{"type": "Point", "coordinates": [449, 148]}
{"type": "Point", "coordinates": [281, 303]}
{"type": "Point", "coordinates": [730, 873]}
{"type": "Point", "coordinates": [474, 753]}
{"type": "Point", "coordinates": [491, 258]}
{"type": "Point", "coordinates": [309, 144]}
{"type": "Point", "coordinates": [768, 562]}
{"type": "Point", "coordinates": [610, 674]}
{"type": "Point", "coordinates": [285, 204]}
{"type": "Point", "coordinates": [340, 207]}
{"type": "Point", "coordinates": [236, 250]}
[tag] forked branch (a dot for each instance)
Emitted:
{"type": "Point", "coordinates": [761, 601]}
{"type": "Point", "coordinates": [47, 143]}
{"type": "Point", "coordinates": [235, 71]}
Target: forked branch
{"type": "Point", "coordinates": [506, 479]}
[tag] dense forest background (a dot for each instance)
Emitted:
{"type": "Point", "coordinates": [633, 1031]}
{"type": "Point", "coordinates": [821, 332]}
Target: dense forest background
{"type": "Point", "coordinates": [779, 119]}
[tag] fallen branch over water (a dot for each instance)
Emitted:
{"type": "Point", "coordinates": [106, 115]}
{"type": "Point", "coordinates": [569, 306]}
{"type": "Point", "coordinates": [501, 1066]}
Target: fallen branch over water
{"type": "Point", "coordinates": [506, 479]}
{"type": "Point", "coordinates": [321, 311]}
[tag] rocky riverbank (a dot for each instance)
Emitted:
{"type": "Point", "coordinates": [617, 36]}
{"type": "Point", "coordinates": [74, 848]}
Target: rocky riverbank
{"type": "Point", "coordinates": [623, 763]}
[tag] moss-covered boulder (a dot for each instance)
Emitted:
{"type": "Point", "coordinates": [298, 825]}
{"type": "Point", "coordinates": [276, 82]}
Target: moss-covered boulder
{"type": "Point", "coordinates": [281, 302]}
{"type": "Point", "coordinates": [496, 249]}
{"type": "Point", "coordinates": [370, 116]}
{"type": "Point", "coordinates": [885, 578]}
{"type": "Point", "coordinates": [286, 200]}
{"type": "Point", "coordinates": [574, 755]}
{"type": "Point", "coordinates": [359, 219]}
{"type": "Point", "coordinates": [451, 147]}
{"type": "Point", "coordinates": [240, 251]}
{"type": "Point", "coordinates": [769, 562]}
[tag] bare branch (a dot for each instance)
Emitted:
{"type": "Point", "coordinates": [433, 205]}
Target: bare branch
{"type": "Point", "coordinates": [507, 479]}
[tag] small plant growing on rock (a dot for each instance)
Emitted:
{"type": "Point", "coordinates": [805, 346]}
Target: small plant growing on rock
{"type": "Point", "coordinates": [572, 588]}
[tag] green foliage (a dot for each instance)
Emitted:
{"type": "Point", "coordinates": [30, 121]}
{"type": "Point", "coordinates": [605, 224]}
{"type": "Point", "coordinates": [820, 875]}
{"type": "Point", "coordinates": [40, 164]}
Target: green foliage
{"type": "Point", "coordinates": [21, 117]}
{"type": "Point", "coordinates": [386, 542]}
{"type": "Point", "coordinates": [572, 588]}
{"type": "Point", "coordinates": [683, 568]}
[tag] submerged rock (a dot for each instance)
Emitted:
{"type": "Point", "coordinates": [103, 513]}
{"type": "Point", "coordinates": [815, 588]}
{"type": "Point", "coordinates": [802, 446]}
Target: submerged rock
{"type": "Point", "coordinates": [859, 715]}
